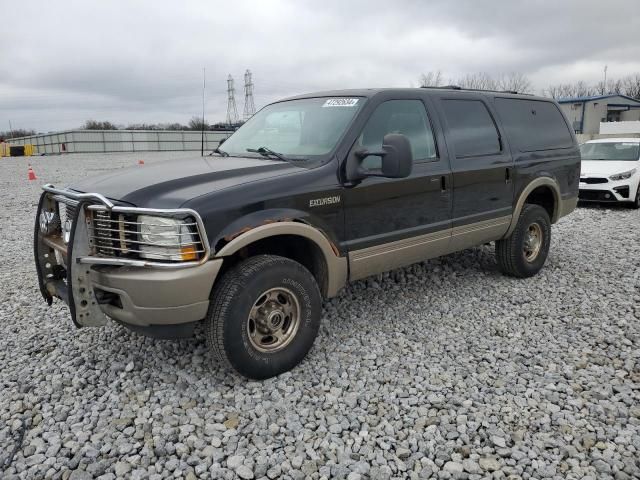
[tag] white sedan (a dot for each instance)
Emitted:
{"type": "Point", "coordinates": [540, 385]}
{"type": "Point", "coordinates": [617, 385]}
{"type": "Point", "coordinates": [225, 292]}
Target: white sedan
{"type": "Point", "coordinates": [610, 171]}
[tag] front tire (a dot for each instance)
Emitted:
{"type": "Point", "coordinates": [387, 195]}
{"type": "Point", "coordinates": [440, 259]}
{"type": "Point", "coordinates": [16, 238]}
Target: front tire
{"type": "Point", "coordinates": [264, 316]}
{"type": "Point", "coordinates": [524, 253]}
{"type": "Point", "coordinates": [636, 203]}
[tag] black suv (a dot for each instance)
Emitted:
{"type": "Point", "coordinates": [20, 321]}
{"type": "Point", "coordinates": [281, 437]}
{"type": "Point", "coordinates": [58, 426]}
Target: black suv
{"type": "Point", "coordinates": [310, 193]}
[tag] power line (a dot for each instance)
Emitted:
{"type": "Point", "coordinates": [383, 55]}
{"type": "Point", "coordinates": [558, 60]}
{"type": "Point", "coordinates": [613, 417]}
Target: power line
{"type": "Point", "coordinates": [249, 106]}
{"type": "Point", "coordinates": [232, 111]}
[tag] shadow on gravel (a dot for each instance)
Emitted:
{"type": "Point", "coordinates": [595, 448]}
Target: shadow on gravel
{"type": "Point", "coordinates": [603, 206]}
{"type": "Point", "coordinates": [415, 281]}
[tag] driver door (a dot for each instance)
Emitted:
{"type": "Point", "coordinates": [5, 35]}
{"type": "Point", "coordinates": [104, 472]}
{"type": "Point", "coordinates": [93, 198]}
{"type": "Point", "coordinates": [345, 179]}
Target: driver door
{"type": "Point", "coordinates": [389, 222]}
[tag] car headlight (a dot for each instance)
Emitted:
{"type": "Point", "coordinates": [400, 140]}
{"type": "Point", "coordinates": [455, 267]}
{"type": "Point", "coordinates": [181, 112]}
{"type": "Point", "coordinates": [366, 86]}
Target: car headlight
{"type": "Point", "coordinates": [165, 238]}
{"type": "Point", "coordinates": [623, 175]}
{"type": "Point", "coordinates": [49, 222]}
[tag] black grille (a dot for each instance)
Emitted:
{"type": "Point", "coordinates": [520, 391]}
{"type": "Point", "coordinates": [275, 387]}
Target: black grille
{"type": "Point", "coordinates": [102, 234]}
{"type": "Point", "coordinates": [113, 235]}
{"type": "Point", "coordinates": [623, 191]}
{"type": "Point", "coordinates": [70, 212]}
{"type": "Point", "coordinates": [596, 195]}
{"type": "Point", "coordinates": [593, 180]}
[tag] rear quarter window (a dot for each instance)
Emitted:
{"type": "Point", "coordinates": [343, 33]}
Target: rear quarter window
{"type": "Point", "coordinates": [533, 125]}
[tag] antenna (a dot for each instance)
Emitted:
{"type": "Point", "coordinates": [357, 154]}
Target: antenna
{"type": "Point", "coordinates": [249, 106]}
{"type": "Point", "coordinates": [232, 111]}
{"type": "Point", "coordinates": [604, 85]}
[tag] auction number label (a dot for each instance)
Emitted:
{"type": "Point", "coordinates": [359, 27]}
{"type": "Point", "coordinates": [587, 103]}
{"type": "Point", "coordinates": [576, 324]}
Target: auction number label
{"type": "Point", "coordinates": [341, 102]}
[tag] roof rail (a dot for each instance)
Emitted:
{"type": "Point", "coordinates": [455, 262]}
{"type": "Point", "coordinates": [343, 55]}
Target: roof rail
{"type": "Point", "coordinates": [445, 87]}
{"type": "Point", "coordinates": [457, 87]}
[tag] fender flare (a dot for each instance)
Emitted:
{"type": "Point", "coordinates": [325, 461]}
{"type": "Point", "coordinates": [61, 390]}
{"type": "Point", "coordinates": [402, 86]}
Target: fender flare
{"type": "Point", "coordinates": [537, 182]}
{"type": "Point", "coordinates": [337, 267]}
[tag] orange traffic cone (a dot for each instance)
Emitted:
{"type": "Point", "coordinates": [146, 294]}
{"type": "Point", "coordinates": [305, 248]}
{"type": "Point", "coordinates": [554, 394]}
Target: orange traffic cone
{"type": "Point", "coordinates": [140, 162]}
{"type": "Point", "coordinates": [31, 175]}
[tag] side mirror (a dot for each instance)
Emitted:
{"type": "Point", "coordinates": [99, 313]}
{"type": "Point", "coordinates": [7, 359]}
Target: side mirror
{"type": "Point", "coordinates": [397, 159]}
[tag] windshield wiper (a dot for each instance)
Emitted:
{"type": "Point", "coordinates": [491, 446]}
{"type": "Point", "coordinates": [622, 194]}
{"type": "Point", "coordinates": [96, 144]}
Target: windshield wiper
{"type": "Point", "coordinates": [219, 152]}
{"type": "Point", "coordinates": [267, 152]}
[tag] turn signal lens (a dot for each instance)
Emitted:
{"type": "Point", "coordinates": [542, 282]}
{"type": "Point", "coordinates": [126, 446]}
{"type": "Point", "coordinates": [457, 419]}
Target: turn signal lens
{"type": "Point", "coordinates": [188, 253]}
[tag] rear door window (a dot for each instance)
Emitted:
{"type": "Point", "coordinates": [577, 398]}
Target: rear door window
{"type": "Point", "coordinates": [533, 125]}
{"type": "Point", "coordinates": [471, 128]}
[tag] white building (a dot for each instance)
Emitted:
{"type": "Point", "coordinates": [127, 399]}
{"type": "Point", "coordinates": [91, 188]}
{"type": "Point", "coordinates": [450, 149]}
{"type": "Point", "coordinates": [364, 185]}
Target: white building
{"type": "Point", "coordinates": [92, 141]}
{"type": "Point", "coordinates": [586, 113]}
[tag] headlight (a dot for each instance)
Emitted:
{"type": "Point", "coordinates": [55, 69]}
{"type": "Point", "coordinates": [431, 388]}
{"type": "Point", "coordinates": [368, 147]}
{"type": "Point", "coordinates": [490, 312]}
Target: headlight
{"type": "Point", "coordinates": [49, 222]}
{"type": "Point", "coordinates": [623, 175]}
{"type": "Point", "coordinates": [166, 238]}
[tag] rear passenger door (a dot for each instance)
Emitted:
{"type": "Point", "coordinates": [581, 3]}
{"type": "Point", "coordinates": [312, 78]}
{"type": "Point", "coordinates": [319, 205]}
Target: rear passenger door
{"type": "Point", "coordinates": [481, 165]}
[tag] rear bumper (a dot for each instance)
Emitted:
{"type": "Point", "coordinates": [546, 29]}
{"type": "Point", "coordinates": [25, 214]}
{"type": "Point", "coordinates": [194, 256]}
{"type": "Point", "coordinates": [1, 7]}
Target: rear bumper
{"type": "Point", "coordinates": [145, 297]}
{"type": "Point", "coordinates": [567, 206]}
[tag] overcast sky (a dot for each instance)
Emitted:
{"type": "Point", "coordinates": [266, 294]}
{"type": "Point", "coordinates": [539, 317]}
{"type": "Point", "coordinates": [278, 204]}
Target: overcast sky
{"type": "Point", "coordinates": [63, 62]}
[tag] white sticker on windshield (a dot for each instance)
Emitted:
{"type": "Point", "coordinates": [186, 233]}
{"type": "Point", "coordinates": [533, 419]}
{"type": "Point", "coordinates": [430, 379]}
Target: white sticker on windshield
{"type": "Point", "coordinates": [341, 102]}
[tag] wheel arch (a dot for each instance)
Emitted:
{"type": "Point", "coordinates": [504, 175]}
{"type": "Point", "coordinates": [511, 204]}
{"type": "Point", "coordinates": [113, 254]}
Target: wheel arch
{"type": "Point", "coordinates": [543, 191]}
{"type": "Point", "coordinates": [288, 237]}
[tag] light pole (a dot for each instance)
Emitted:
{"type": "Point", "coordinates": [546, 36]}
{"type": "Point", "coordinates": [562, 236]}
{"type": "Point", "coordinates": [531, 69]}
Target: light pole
{"type": "Point", "coordinates": [202, 133]}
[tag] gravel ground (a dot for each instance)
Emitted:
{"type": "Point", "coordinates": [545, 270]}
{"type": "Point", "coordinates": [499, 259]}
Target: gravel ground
{"type": "Point", "coordinates": [445, 369]}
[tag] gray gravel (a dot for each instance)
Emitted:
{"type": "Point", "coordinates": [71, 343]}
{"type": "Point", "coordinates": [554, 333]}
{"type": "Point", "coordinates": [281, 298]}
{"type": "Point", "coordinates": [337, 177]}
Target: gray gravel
{"type": "Point", "coordinates": [445, 369]}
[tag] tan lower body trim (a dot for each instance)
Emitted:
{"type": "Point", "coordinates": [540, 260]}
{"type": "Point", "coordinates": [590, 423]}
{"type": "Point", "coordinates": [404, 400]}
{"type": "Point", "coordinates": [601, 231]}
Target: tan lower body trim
{"type": "Point", "coordinates": [467, 236]}
{"type": "Point", "coordinates": [337, 266]}
{"type": "Point", "coordinates": [567, 206]}
{"type": "Point", "coordinates": [381, 258]}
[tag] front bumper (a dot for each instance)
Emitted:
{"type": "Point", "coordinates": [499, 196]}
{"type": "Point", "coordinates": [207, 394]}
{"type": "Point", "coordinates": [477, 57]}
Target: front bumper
{"type": "Point", "coordinates": [139, 293]}
{"type": "Point", "coordinates": [620, 191]}
{"type": "Point", "coordinates": [146, 297]}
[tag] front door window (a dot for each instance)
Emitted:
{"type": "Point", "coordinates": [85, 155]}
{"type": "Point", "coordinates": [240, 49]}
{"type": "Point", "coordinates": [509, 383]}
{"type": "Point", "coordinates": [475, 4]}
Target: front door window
{"type": "Point", "coordinates": [407, 117]}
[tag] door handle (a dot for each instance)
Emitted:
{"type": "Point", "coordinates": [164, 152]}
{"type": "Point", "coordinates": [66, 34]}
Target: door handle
{"type": "Point", "coordinates": [442, 180]}
{"type": "Point", "coordinates": [507, 175]}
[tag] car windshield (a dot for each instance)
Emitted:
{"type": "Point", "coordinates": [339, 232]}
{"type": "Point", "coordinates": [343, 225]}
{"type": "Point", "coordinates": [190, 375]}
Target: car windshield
{"type": "Point", "coordinates": [295, 129]}
{"type": "Point", "coordinates": [610, 151]}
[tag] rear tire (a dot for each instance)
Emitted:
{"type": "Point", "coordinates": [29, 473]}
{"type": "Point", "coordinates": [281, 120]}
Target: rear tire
{"type": "Point", "coordinates": [524, 253]}
{"type": "Point", "coordinates": [264, 316]}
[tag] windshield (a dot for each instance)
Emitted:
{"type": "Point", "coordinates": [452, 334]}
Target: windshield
{"type": "Point", "coordinates": [295, 129]}
{"type": "Point", "coordinates": [610, 151]}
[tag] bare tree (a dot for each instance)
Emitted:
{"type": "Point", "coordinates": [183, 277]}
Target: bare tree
{"type": "Point", "coordinates": [95, 125]}
{"type": "Point", "coordinates": [16, 133]}
{"type": "Point", "coordinates": [478, 81]}
{"type": "Point", "coordinates": [515, 82]}
{"type": "Point", "coordinates": [431, 79]}
{"type": "Point", "coordinates": [631, 86]}
{"type": "Point", "coordinates": [582, 89]}
{"type": "Point", "coordinates": [612, 86]}
{"type": "Point", "coordinates": [196, 124]}
{"type": "Point", "coordinates": [568, 90]}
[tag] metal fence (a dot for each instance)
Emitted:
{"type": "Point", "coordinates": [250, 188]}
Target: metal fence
{"type": "Point", "coordinates": [103, 141]}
